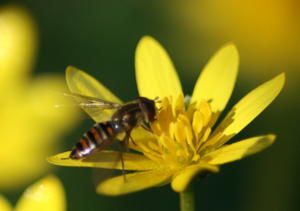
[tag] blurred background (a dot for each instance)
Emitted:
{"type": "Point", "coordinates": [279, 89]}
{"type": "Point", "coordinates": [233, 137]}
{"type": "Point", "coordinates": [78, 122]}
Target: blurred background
{"type": "Point", "coordinates": [38, 39]}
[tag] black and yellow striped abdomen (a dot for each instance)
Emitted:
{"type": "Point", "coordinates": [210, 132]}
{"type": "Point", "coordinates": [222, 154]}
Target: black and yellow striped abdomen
{"type": "Point", "coordinates": [97, 138]}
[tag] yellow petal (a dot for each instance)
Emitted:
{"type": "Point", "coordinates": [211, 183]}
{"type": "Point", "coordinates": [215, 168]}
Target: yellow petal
{"type": "Point", "coordinates": [133, 182]}
{"type": "Point", "coordinates": [217, 80]}
{"type": "Point", "coordinates": [81, 83]}
{"type": "Point", "coordinates": [4, 204]}
{"type": "Point", "coordinates": [184, 177]}
{"type": "Point", "coordinates": [249, 107]}
{"type": "Point", "coordinates": [239, 150]}
{"type": "Point", "coordinates": [18, 44]}
{"type": "Point", "coordinates": [106, 159]}
{"type": "Point", "coordinates": [155, 73]}
{"type": "Point", "coordinates": [47, 195]}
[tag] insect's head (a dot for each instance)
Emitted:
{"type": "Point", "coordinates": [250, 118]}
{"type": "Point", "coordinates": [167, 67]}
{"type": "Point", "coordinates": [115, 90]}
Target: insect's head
{"type": "Point", "coordinates": [148, 108]}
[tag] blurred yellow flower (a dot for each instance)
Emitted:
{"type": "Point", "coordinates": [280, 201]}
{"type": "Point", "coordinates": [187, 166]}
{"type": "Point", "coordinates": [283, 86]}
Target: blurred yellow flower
{"type": "Point", "coordinates": [265, 31]}
{"type": "Point", "coordinates": [183, 142]}
{"type": "Point", "coordinates": [46, 195]}
{"type": "Point", "coordinates": [4, 204]}
{"type": "Point", "coordinates": [29, 122]}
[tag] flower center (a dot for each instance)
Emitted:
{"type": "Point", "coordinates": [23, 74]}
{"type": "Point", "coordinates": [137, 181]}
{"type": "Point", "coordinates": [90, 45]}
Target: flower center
{"type": "Point", "coordinates": [179, 132]}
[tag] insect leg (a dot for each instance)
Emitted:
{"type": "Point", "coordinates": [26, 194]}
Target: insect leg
{"type": "Point", "coordinates": [124, 143]}
{"type": "Point", "coordinates": [131, 139]}
{"type": "Point", "coordinates": [123, 166]}
{"type": "Point", "coordinates": [147, 127]}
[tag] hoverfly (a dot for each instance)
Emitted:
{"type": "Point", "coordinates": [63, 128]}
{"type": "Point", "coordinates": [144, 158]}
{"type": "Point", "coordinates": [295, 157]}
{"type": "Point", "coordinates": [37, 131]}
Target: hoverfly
{"type": "Point", "coordinates": [139, 112]}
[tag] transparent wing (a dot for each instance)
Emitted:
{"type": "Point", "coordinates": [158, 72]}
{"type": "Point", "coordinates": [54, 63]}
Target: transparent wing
{"type": "Point", "coordinates": [101, 109]}
{"type": "Point", "coordinates": [92, 102]}
{"type": "Point", "coordinates": [91, 94]}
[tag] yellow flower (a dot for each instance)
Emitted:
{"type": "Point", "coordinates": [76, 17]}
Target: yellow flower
{"type": "Point", "coordinates": [46, 194]}
{"type": "Point", "coordinates": [29, 122]}
{"type": "Point", "coordinates": [184, 141]}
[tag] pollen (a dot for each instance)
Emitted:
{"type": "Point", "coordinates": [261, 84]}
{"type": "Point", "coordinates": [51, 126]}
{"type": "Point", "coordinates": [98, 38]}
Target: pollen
{"type": "Point", "coordinates": [179, 132]}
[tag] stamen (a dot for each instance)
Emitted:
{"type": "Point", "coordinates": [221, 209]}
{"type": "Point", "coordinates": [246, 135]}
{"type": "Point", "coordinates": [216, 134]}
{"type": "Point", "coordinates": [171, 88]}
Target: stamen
{"type": "Point", "coordinates": [180, 131]}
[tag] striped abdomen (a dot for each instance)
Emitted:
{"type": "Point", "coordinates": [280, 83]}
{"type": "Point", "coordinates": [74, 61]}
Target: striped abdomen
{"type": "Point", "coordinates": [97, 138]}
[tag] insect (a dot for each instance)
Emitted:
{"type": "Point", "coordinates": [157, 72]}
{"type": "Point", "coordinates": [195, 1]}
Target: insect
{"type": "Point", "coordinates": [139, 112]}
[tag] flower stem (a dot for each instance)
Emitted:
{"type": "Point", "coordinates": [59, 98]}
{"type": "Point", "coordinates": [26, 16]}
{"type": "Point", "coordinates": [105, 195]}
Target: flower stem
{"type": "Point", "coordinates": [187, 199]}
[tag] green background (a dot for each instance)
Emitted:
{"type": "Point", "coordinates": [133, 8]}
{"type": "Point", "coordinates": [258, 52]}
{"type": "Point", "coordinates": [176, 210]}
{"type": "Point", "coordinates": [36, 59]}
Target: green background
{"type": "Point", "coordinates": [100, 37]}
